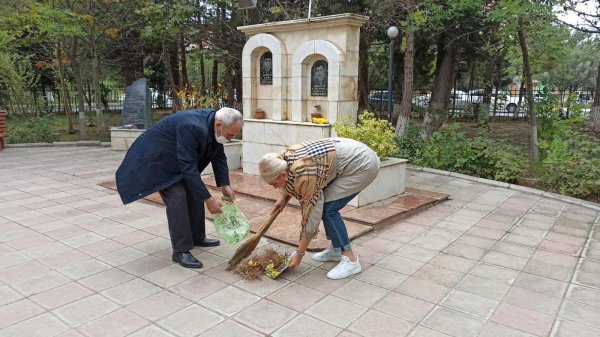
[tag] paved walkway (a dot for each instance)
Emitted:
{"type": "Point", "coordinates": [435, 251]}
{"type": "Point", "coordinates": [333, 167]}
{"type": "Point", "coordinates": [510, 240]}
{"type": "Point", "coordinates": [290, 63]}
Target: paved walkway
{"type": "Point", "coordinates": [490, 262]}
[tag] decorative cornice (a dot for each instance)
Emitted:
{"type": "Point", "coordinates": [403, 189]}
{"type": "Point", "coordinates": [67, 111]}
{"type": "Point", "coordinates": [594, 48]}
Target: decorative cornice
{"type": "Point", "coordinates": [346, 19]}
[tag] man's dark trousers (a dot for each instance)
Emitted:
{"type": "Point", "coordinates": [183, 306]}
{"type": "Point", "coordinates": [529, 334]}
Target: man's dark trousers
{"type": "Point", "coordinates": [185, 216]}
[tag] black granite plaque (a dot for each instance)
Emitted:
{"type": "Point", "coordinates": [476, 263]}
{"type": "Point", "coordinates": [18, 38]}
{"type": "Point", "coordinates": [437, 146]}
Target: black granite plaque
{"type": "Point", "coordinates": [137, 107]}
{"type": "Point", "coordinates": [318, 79]}
{"type": "Point", "coordinates": [266, 68]}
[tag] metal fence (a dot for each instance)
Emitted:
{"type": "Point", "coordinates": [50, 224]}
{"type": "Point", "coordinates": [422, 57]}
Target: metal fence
{"type": "Point", "coordinates": [50, 100]}
{"type": "Point", "coordinates": [504, 103]}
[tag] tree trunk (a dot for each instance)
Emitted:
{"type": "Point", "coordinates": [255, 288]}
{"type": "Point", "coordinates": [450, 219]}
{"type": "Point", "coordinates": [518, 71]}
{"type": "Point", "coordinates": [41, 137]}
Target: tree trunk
{"type": "Point", "coordinates": [63, 88]}
{"type": "Point", "coordinates": [437, 111]}
{"type": "Point", "coordinates": [535, 153]}
{"type": "Point", "coordinates": [79, 84]}
{"type": "Point", "coordinates": [363, 72]}
{"type": "Point", "coordinates": [596, 103]}
{"type": "Point", "coordinates": [229, 75]}
{"type": "Point", "coordinates": [407, 90]}
{"type": "Point", "coordinates": [184, 74]}
{"type": "Point", "coordinates": [96, 76]}
{"type": "Point", "coordinates": [172, 83]}
{"type": "Point", "coordinates": [215, 75]}
{"type": "Point", "coordinates": [202, 74]}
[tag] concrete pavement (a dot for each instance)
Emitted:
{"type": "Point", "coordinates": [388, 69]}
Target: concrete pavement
{"type": "Point", "coordinates": [490, 262]}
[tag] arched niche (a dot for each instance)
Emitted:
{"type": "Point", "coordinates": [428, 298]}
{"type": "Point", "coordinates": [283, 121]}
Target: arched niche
{"type": "Point", "coordinates": [304, 58]}
{"type": "Point", "coordinates": [270, 97]}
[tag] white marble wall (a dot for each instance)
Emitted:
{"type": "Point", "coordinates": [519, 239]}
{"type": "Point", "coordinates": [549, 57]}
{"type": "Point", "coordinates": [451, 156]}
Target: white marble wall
{"type": "Point", "coordinates": [121, 139]}
{"type": "Point", "coordinates": [389, 182]}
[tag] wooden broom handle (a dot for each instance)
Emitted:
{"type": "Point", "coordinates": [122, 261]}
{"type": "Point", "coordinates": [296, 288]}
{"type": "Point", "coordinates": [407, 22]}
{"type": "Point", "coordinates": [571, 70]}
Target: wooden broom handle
{"type": "Point", "coordinates": [262, 229]}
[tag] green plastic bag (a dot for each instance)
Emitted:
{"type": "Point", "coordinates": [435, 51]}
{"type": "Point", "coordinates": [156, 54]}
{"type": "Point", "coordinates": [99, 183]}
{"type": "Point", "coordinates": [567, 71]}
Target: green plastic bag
{"type": "Point", "coordinates": [231, 225]}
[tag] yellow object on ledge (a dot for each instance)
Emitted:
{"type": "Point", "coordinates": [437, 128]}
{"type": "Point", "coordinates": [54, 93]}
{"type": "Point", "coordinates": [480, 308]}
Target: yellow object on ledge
{"type": "Point", "coordinates": [319, 120]}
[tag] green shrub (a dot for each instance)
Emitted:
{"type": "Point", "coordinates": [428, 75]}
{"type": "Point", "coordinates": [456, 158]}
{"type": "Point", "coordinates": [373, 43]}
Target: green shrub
{"type": "Point", "coordinates": [410, 144]}
{"type": "Point", "coordinates": [572, 164]}
{"type": "Point", "coordinates": [378, 134]}
{"type": "Point", "coordinates": [449, 149]}
{"type": "Point", "coordinates": [37, 129]}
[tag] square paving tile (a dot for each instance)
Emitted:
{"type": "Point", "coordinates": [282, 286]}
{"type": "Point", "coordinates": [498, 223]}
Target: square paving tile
{"type": "Point", "coordinates": [566, 328]}
{"type": "Point", "coordinates": [304, 325]}
{"type": "Point", "coordinates": [470, 303]}
{"type": "Point", "coordinates": [400, 264]}
{"type": "Point", "coordinates": [170, 275]}
{"type": "Point", "coordinates": [131, 291]}
{"type": "Point", "coordinates": [159, 305]}
{"type": "Point", "coordinates": [150, 331]}
{"type": "Point", "coordinates": [548, 270]}
{"type": "Point", "coordinates": [541, 284]}
{"type": "Point", "coordinates": [230, 328]}
{"type": "Point", "coordinates": [381, 277]}
{"type": "Point", "coordinates": [505, 260]}
{"type": "Point", "coordinates": [106, 279]}
{"type": "Point", "coordinates": [38, 326]}
{"type": "Point", "coordinates": [416, 253]}
{"type": "Point", "coordinates": [222, 302]}
{"type": "Point", "coordinates": [453, 262]}
{"type": "Point", "coordinates": [446, 277]}
{"type": "Point", "coordinates": [492, 329]}
{"type": "Point", "coordinates": [377, 324]}
{"type": "Point", "coordinates": [585, 295]}
{"type": "Point", "coordinates": [40, 283]}
{"type": "Point", "coordinates": [265, 316]}
{"type": "Point", "coordinates": [587, 279]}
{"type": "Point", "coordinates": [465, 251]}
{"type": "Point", "coordinates": [422, 289]}
{"type": "Point", "coordinates": [198, 287]}
{"type": "Point", "coordinates": [336, 311]}
{"type": "Point", "coordinates": [190, 321]}
{"type": "Point", "coordinates": [7, 295]}
{"type": "Point", "coordinates": [581, 313]}
{"type": "Point", "coordinates": [483, 287]}
{"type": "Point", "coordinates": [404, 307]}
{"type": "Point", "coordinates": [523, 319]}
{"type": "Point", "coordinates": [454, 323]}
{"type": "Point", "coordinates": [296, 297]}
{"type": "Point", "coordinates": [18, 311]}
{"type": "Point", "coordinates": [361, 293]}
{"type": "Point", "coordinates": [59, 296]}
{"type": "Point", "coordinates": [85, 310]}
{"type": "Point", "coordinates": [532, 300]}
{"type": "Point", "coordinates": [118, 323]}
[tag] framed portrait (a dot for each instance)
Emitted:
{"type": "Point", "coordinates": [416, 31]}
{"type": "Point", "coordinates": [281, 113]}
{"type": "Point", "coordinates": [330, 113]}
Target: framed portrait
{"type": "Point", "coordinates": [266, 68]}
{"type": "Point", "coordinates": [318, 78]}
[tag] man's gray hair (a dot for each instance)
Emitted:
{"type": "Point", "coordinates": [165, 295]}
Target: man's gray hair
{"type": "Point", "coordinates": [229, 116]}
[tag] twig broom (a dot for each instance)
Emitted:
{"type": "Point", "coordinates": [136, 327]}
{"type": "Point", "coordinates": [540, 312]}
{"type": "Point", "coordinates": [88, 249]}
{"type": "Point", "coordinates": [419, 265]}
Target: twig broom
{"type": "Point", "coordinates": [248, 247]}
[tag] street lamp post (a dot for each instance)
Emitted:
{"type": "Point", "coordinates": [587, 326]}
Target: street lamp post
{"type": "Point", "coordinates": [392, 33]}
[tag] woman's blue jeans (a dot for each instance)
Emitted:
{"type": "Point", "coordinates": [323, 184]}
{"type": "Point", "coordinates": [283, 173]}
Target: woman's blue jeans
{"type": "Point", "coordinates": [335, 228]}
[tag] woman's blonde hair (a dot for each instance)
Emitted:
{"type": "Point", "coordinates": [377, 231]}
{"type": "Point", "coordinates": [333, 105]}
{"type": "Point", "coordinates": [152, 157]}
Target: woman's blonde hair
{"type": "Point", "coordinates": [271, 165]}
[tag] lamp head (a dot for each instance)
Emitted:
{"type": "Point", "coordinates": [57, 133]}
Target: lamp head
{"type": "Point", "coordinates": [392, 32]}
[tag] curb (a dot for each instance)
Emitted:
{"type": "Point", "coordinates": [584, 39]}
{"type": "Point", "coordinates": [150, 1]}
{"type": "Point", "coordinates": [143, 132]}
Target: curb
{"type": "Point", "coordinates": [60, 144]}
{"type": "Point", "coordinates": [550, 195]}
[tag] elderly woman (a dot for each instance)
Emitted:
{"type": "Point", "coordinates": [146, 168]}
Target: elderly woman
{"type": "Point", "coordinates": [324, 175]}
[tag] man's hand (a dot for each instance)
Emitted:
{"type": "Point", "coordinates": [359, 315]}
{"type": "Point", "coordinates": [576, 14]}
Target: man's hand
{"type": "Point", "coordinates": [228, 191]}
{"type": "Point", "coordinates": [213, 204]}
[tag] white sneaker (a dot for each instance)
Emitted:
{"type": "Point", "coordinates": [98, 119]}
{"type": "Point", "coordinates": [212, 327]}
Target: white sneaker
{"type": "Point", "coordinates": [327, 255]}
{"type": "Point", "coordinates": [344, 269]}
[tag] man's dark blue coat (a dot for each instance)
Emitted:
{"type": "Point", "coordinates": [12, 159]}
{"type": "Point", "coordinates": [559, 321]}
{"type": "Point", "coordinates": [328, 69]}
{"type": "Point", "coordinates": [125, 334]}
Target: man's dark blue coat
{"type": "Point", "coordinates": [178, 147]}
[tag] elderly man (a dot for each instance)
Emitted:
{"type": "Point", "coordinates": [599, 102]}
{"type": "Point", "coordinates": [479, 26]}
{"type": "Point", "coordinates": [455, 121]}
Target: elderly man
{"type": "Point", "coordinates": [168, 158]}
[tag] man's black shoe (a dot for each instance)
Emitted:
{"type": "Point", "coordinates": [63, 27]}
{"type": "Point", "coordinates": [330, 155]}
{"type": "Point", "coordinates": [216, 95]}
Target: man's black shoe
{"type": "Point", "coordinates": [207, 242]}
{"type": "Point", "coordinates": [186, 259]}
